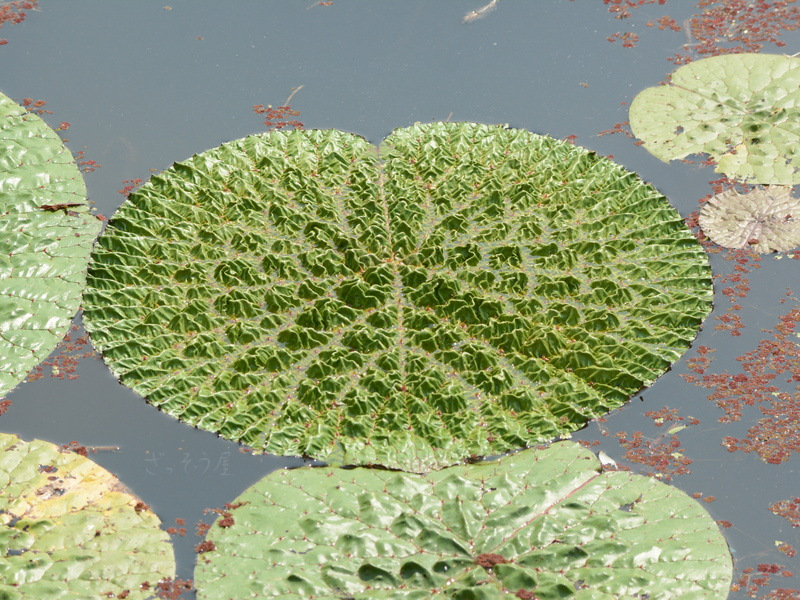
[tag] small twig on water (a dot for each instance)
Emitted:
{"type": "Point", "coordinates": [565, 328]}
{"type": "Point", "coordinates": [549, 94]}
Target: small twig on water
{"type": "Point", "coordinates": [102, 448]}
{"type": "Point", "coordinates": [474, 15]}
{"type": "Point", "coordinates": [294, 91]}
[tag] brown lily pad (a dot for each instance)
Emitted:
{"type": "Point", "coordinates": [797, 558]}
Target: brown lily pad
{"type": "Point", "coordinates": [764, 219]}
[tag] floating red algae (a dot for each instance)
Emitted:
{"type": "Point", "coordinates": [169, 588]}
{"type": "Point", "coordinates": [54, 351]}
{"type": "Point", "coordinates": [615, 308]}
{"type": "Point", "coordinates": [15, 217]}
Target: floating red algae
{"type": "Point", "coordinates": [64, 361]}
{"type": "Point", "coordinates": [752, 579]}
{"type": "Point", "coordinates": [663, 454]}
{"type": "Point", "coordinates": [773, 439]}
{"type": "Point", "coordinates": [789, 510]}
{"type": "Point", "coordinates": [666, 416]}
{"type": "Point", "coordinates": [736, 26]}
{"type": "Point", "coordinates": [132, 184]}
{"type": "Point", "coordinates": [623, 127]}
{"type": "Point", "coordinates": [778, 355]}
{"type": "Point", "coordinates": [35, 106]}
{"type": "Point", "coordinates": [621, 9]}
{"type": "Point", "coordinates": [14, 13]}
{"type": "Point", "coordinates": [717, 27]}
{"type": "Point", "coordinates": [628, 38]}
{"type": "Point", "coordinates": [172, 589]}
{"type": "Point", "coordinates": [278, 117]}
{"type": "Point", "coordinates": [179, 530]}
{"type": "Point", "coordinates": [782, 594]}
{"type": "Point", "coordinates": [724, 524]}
{"type": "Point", "coordinates": [776, 436]}
{"type": "Point", "coordinates": [665, 22]}
{"type": "Point", "coordinates": [86, 166]}
{"type": "Point", "coordinates": [699, 364]}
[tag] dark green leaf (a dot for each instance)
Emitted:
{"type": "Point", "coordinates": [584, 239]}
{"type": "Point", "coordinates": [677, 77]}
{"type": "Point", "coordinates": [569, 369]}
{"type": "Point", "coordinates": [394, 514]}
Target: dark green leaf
{"type": "Point", "coordinates": [479, 290]}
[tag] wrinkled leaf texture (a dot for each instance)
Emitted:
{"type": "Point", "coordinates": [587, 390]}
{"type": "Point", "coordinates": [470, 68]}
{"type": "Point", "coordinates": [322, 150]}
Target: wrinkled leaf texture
{"type": "Point", "coordinates": [43, 253]}
{"type": "Point", "coordinates": [546, 521]}
{"type": "Point", "coordinates": [763, 220]}
{"type": "Point", "coordinates": [741, 109]}
{"type": "Point", "coordinates": [70, 530]}
{"type": "Point", "coordinates": [476, 289]}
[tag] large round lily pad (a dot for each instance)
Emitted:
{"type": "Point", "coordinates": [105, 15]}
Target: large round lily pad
{"type": "Point", "coordinates": [540, 524]}
{"type": "Point", "coordinates": [479, 289]}
{"type": "Point", "coordinates": [69, 530]}
{"type": "Point", "coordinates": [741, 109]}
{"type": "Point", "coordinates": [764, 219]}
{"type": "Point", "coordinates": [46, 234]}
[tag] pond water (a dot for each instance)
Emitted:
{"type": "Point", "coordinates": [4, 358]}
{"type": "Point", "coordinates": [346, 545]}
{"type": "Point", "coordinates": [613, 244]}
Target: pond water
{"type": "Point", "coordinates": [143, 84]}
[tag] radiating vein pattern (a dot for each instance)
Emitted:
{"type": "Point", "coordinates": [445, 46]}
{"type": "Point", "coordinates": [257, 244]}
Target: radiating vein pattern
{"type": "Point", "coordinates": [466, 289]}
{"type": "Point", "coordinates": [543, 524]}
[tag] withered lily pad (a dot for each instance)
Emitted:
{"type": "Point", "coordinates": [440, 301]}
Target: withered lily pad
{"type": "Point", "coordinates": [70, 530]}
{"type": "Point", "coordinates": [741, 109]}
{"type": "Point", "coordinates": [546, 524]}
{"type": "Point", "coordinates": [474, 290]}
{"type": "Point", "coordinates": [764, 219]}
{"type": "Point", "coordinates": [46, 234]}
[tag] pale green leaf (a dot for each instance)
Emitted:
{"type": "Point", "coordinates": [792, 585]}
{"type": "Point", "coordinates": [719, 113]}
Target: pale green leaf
{"type": "Point", "coordinates": [546, 524]}
{"type": "Point", "coordinates": [69, 530]}
{"type": "Point", "coordinates": [741, 109]}
{"type": "Point", "coordinates": [46, 234]}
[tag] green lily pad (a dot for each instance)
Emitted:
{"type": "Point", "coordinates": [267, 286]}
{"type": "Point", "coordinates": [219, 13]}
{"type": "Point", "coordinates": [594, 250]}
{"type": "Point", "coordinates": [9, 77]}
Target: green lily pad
{"type": "Point", "coordinates": [764, 219]}
{"type": "Point", "coordinates": [479, 289]}
{"type": "Point", "coordinates": [46, 234]}
{"type": "Point", "coordinates": [741, 109]}
{"type": "Point", "coordinates": [71, 530]}
{"type": "Point", "coordinates": [540, 524]}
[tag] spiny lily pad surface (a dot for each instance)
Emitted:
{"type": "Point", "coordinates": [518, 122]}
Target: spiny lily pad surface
{"type": "Point", "coordinates": [764, 219]}
{"type": "Point", "coordinates": [540, 524]}
{"type": "Point", "coordinates": [70, 530]}
{"type": "Point", "coordinates": [741, 109]}
{"type": "Point", "coordinates": [479, 289]}
{"type": "Point", "coordinates": [46, 234]}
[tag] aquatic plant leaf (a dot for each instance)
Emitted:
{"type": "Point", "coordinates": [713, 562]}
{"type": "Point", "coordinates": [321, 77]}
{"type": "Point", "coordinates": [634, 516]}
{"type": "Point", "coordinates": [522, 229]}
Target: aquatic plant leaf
{"type": "Point", "coordinates": [475, 290]}
{"type": "Point", "coordinates": [70, 530]}
{"type": "Point", "coordinates": [741, 109]}
{"type": "Point", "coordinates": [46, 234]}
{"type": "Point", "coordinates": [764, 219]}
{"type": "Point", "coordinates": [548, 522]}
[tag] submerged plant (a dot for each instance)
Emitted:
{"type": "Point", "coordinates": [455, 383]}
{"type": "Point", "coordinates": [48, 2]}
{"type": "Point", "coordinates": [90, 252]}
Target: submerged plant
{"type": "Point", "coordinates": [46, 234]}
{"type": "Point", "coordinates": [542, 524]}
{"type": "Point", "coordinates": [70, 530]}
{"type": "Point", "coordinates": [476, 289]}
{"type": "Point", "coordinates": [743, 110]}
